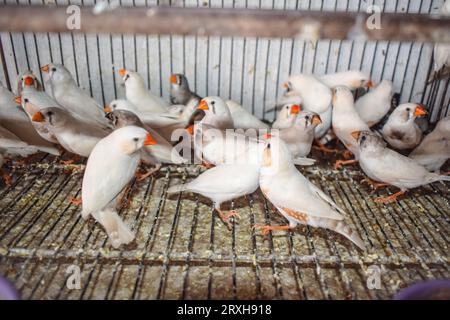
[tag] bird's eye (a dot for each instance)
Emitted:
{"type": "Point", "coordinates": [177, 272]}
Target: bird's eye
{"type": "Point", "coordinates": [363, 138]}
{"type": "Point", "coordinates": [26, 100]}
{"type": "Point", "coordinates": [307, 117]}
{"type": "Point", "coordinates": [213, 102]}
{"type": "Point", "coordinates": [407, 109]}
{"type": "Point", "coordinates": [136, 139]}
{"type": "Point", "coordinates": [53, 69]}
{"type": "Point", "coordinates": [287, 107]}
{"type": "Point", "coordinates": [268, 146]}
{"type": "Point", "coordinates": [50, 113]}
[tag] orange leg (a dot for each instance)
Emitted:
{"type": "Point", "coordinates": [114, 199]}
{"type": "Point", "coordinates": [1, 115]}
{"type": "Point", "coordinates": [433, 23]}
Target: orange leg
{"type": "Point", "coordinates": [374, 184]}
{"type": "Point", "coordinates": [225, 217]}
{"type": "Point", "coordinates": [266, 229]}
{"type": "Point", "coordinates": [390, 198]}
{"type": "Point", "coordinates": [207, 165]}
{"type": "Point", "coordinates": [321, 147]}
{"type": "Point", "coordinates": [339, 163]}
{"type": "Point", "coordinates": [7, 178]}
{"type": "Point", "coordinates": [74, 159]}
{"type": "Point", "coordinates": [347, 154]}
{"type": "Point", "coordinates": [76, 201]}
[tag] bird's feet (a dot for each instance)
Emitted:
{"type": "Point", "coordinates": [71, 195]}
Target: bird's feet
{"type": "Point", "coordinates": [7, 179]}
{"type": "Point", "coordinates": [225, 217]}
{"type": "Point", "coordinates": [374, 184]}
{"type": "Point", "coordinates": [347, 154]}
{"type": "Point", "coordinates": [320, 146]}
{"type": "Point", "coordinates": [70, 161]}
{"type": "Point", "coordinates": [207, 165]}
{"type": "Point", "coordinates": [265, 230]}
{"type": "Point", "coordinates": [76, 201]}
{"type": "Point", "coordinates": [390, 198]}
{"type": "Point", "coordinates": [339, 163]}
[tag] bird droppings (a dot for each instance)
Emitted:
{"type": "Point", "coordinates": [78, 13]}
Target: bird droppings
{"type": "Point", "coordinates": [183, 250]}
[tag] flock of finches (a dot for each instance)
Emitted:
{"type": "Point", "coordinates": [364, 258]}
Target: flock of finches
{"type": "Point", "coordinates": [116, 139]}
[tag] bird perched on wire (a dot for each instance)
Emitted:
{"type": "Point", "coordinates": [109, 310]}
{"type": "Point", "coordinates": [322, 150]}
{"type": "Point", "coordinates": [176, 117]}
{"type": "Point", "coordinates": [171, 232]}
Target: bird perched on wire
{"type": "Point", "coordinates": [401, 131]}
{"type": "Point", "coordinates": [110, 167]}
{"type": "Point", "coordinates": [180, 93]}
{"type": "Point", "coordinates": [295, 197]}
{"type": "Point", "coordinates": [352, 79]}
{"type": "Point", "coordinates": [72, 134]}
{"type": "Point", "coordinates": [434, 150]}
{"type": "Point", "coordinates": [345, 121]}
{"type": "Point", "coordinates": [14, 119]}
{"type": "Point", "coordinates": [374, 105]}
{"type": "Point", "coordinates": [162, 152]}
{"type": "Point", "coordinates": [137, 93]}
{"type": "Point", "coordinates": [300, 136]}
{"type": "Point", "coordinates": [221, 184]}
{"type": "Point", "coordinates": [71, 97]}
{"type": "Point", "coordinates": [389, 167]}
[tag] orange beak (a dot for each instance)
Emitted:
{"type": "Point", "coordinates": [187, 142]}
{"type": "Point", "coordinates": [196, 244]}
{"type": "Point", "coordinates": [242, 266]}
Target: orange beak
{"type": "Point", "coordinates": [173, 79]}
{"type": "Point", "coordinates": [295, 109]}
{"type": "Point", "coordinates": [370, 84]}
{"type": "Point", "coordinates": [107, 109]}
{"type": "Point", "coordinates": [420, 111]}
{"type": "Point", "coordinates": [38, 117]}
{"type": "Point", "coordinates": [18, 100]}
{"type": "Point", "coordinates": [316, 120]}
{"type": "Point", "coordinates": [45, 68]}
{"type": "Point", "coordinates": [149, 141]}
{"type": "Point", "coordinates": [285, 85]}
{"type": "Point", "coordinates": [29, 81]}
{"type": "Point", "coordinates": [122, 72]}
{"type": "Point", "coordinates": [267, 136]}
{"type": "Point", "coordinates": [356, 134]}
{"type": "Point", "coordinates": [203, 105]}
{"type": "Point", "coordinates": [190, 130]}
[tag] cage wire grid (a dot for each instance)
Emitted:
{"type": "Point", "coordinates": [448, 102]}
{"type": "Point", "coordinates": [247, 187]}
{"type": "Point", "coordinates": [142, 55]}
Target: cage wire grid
{"type": "Point", "coordinates": [182, 249]}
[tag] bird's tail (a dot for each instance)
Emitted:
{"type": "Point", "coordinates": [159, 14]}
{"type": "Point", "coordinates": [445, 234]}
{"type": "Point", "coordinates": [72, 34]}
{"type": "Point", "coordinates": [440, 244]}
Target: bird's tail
{"type": "Point", "coordinates": [118, 232]}
{"type": "Point", "coordinates": [50, 150]}
{"type": "Point", "coordinates": [444, 178]}
{"type": "Point", "coordinates": [177, 188]}
{"type": "Point", "coordinates": [300, 161]}
{"type": "Point", "coordinates": [341, 227]}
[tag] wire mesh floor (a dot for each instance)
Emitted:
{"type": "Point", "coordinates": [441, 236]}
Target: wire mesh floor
{"type": "Point", "coordinates": [183, 250]}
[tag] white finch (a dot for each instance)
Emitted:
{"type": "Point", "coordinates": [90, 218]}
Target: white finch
{"type": "Point", "coordinates": [162, 152]}
{"type": "Point", "coordinates": [300, 136]}
{"type": "Point", "coordinates": [137, 93]}
{"type": "Point", "coordinates": [352, 79]}
{"type": "Point", "coordinates": [72, 134]}
{"type": "Point", "coordinates": [286, 116]}
{"type": "Point", "coordinates": [71, 97]}
{"type": "Point", "coordinates": [28, 80]}
{"type": "Point", "coordinates": [401, 131]}
{"type": "Point", "coordinates": [295, 197]}
{"type": "Point", "coordinates": [11, 145]}
{"type": "Point", "coordinates": [217, 113]}
{"type": "Point", "coordinates": [385, 165]}
{"type": "Point", "coordinates": [374, 105]}
{"type": "Point", "coordinates": [223, 183]}
{"type": "Point", "coordinates": [242, 119]}
{"type": "Point", "coordinates": [110, 167]}
{"type": "Point", "coordinates": [345, 121]}
{"type": "Point", "coordinates": [14, 119]}
{"type": "Point", "coordinates": [434, 149]}
{"type": "Point", "coordinates": [180, 93]}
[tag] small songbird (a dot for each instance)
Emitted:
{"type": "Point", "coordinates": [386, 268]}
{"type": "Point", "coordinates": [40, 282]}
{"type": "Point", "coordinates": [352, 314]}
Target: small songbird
{"type": "Point", "coordinates": [300, 136]}
{"type": "Point", "coordinates": [180, 93]}
{"type": "Point", "coordinates": [345, 121]}
{"type": "Point", "coordinates": [27, 81]}
{"type": "Point", "coordinates": [286, 116]}
{"type": "Point", "coordinates": [71, 97]}
{"type": "Point", "coordinates": [223, 183]}
{"type": "Point", "coordinates": [401, 131]}
{"type": "Point", "coordinates": [434, 149]}
{"type": "Point", "coordinates": [352, 79]}
{"type": "Point", "coordinates": [137, 93]}
{"type": "Point", "coordinates": [162, 152]}
{"type": "Point", "coordinates": [295, 197]}
{"type": "Point", "coordinates": [242, 119]}
{"type": "Point", "coordinates": [374, 105]}
{"type": "Point", "coordinates": [389, 167]}
{"type": "Point", "coordinates": [72, 134]}
{"type": "Point", "coordinates": [14, 119]}
{"type": "Point", "coordinates": [216, 113]}
{"type": "Point", "coordinates": [110, 167]}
